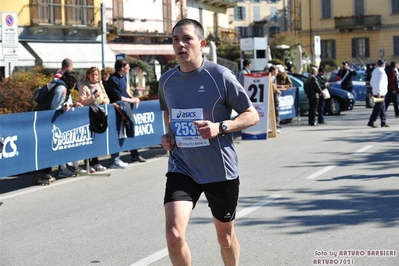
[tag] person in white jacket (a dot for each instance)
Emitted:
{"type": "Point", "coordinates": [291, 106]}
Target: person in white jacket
{"type": "Point", "coordinates": [379, 84]}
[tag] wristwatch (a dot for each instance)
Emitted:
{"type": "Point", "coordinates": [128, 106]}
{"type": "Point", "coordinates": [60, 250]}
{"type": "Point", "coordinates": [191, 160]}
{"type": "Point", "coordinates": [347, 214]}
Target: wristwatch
{"type": "Point", "coordinates": [223, 127]}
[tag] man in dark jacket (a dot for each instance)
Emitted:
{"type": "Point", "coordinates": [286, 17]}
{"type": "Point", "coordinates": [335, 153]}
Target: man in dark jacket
{"type": "Point", "coordinates": [117, 90]}
{"type": "Point", "coordinates": [346, 74]}
{"type": "Point", "coordinates": [393, 89]}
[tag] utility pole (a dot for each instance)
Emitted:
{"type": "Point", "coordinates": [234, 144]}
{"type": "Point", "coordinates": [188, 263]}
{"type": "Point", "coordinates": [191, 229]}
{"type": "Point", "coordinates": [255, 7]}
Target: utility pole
{"type": "Point", "coordinates": [103, 33]}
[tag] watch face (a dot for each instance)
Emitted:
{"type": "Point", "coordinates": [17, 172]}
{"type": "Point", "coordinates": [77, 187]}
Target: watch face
{"type": "Point", "coordinates": [224, 127]}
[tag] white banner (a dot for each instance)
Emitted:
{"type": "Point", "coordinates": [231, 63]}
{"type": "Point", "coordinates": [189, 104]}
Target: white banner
{"type": "Point", "coordinates": [257, 87]}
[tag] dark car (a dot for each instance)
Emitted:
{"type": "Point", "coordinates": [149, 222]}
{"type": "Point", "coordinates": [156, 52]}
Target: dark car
{"type": "Point", "coordinates": [340, 100]}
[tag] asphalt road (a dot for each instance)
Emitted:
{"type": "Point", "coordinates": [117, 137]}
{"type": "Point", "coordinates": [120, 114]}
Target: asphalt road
{"type": "Point", "coordinates": [326, 195]}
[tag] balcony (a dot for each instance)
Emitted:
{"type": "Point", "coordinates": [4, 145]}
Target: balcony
{"type": "Point", "coordinates": [220, 3]}
{"type": "Point", "coordinates": [357, 22]}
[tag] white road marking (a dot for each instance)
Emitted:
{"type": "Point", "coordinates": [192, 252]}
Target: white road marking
{"type": "Point", "coordinates": [320, 172]}
{"type": "Point", "coordinates": [364, 149]}
{"type": "Point", "coordinates": [328, 168]}
{"type": "Point", "coordinates": [164, 252]}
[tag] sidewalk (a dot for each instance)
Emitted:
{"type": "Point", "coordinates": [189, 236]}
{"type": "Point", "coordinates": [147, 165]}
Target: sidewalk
{"type": "Point", "coordinates": [13, 183]}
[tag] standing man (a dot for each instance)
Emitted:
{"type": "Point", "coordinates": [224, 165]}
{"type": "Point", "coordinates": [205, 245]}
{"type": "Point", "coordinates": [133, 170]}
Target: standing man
{"type": "Point", "coordinates": [393, 89]}
{"type": "Point", "coordinates": [116, 88]}
{"type": "Point", "coordinates": [379, 83]}
{"type": "Point", "coordinates": [246, 69]}
{"type": "Point", "coordinates": [346, 74]}
{"type": "Point", "coordinates": [197, 98]}
{"type": "Point", "coordinates": [66, 65]}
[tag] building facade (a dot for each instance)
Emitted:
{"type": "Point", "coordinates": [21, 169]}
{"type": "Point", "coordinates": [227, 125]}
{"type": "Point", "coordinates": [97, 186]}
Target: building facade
{"type": "Point", "coordinates": [51, 30]}
{"type": "Point", "coordinates": [356, 31]}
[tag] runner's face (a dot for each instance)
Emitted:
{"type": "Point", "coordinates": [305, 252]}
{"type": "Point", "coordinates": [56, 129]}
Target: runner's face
{"type": "Point", "coordinates": [188, 47]}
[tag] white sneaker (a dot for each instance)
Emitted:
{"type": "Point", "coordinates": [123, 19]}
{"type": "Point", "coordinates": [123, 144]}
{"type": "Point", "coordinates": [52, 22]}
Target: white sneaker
{"type": "Point", "coordinates": [91, 169]}
{"type": "Point", "coordinates": [99, 168]}
{"type": "Point", "coordinates": [66, 173]}
{"type": "Point", "coordinates": [80, 170]}
{"type": "Point", "coordinates": [278, 131]}
{"type": "Point", "coordinates": [119, 164]}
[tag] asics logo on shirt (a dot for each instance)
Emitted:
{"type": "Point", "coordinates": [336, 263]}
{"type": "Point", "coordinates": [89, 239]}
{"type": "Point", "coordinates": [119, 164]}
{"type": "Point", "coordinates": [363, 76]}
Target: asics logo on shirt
{"type": "Point", "coordinates": [185, 114]}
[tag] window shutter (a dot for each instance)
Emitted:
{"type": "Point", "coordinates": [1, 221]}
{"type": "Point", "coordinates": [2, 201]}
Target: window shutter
{"type": "Point", "coordinates": [354, 48]}
{"type": "Point", "coordinates": [367, 48]}
{"type": "Point", "coordinates": [333, 49]}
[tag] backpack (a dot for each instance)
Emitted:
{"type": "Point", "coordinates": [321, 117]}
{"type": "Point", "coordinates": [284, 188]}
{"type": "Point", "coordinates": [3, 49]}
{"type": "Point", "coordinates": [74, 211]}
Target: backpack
{"type": "Point", "coordinates": [98, 119]}
{"type": "Point", "coordinates": [44, 95]}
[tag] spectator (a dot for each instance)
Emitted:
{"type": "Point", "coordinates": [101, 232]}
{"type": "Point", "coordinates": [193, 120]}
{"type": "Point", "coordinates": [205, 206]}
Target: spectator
{"type": "Point", "coordinates": [346, 74]}
{"type": "Point", "coordinates": [91, 92]}
{"type": "Point", "coordinates": [246, 69]}
{"type": "Point", "coordinates": [66, 65]}
{"type": "Point", "coordinates": [105, 74]}
{"type": "Point", "coordinates": [323, 85]}
{"type": "Point", "coordinates": [379, 83]}
{"type": "Point", "coordinates": [393, 89]}
{"type": "Point", "coordinates": [203, 158]}
{"type": "Point", "coordinates": [61, 101]}
{"type": "Point", "coordinates": [276, 92]}
{"type": "Point", "coordinates": [313, 92]}
{"type": "Point", "coordinates": [369, 90]}
{"type": "Point", "coordinates": [117, 90]}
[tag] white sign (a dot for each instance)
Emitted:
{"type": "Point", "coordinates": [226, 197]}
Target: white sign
{"type": "Point", "coordinates": [317, 46]}
{"type": "Point", "coordinates": [9, 27]}
{"type": "Point", "coordinates": [9, 31]}
{"type": "Point", "coordinates": [257, 87]}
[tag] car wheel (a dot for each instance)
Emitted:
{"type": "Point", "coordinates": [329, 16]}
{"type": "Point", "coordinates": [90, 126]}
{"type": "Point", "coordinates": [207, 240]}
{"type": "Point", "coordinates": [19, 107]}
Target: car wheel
{"type": "Point", "coordinates": [334, 106]}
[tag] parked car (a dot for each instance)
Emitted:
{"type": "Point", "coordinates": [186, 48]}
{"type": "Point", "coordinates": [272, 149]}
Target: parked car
{"type": "Point", "coordinates": [359, 85]}
{"type": "Point", "coordinates": [340, 100]}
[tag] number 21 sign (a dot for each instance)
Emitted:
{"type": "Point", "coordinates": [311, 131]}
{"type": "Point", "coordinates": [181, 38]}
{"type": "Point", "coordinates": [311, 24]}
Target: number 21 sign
{"type": "Point", "coordinates": [257, 87]}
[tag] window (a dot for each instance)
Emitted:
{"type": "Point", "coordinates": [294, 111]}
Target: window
{"type": "Point", "coordinates": [46, 12]}
{"type": "Point", "coordinates": [327, 49]}
{"type": "Point", "coordinates": [272, 1]}
{"type": "Point", "coordinates": [326, 12]}
{"type": "Point", "coordinates": [256, 13]}
{"type": "Point", "coordinates": [255, 1]}
{"type": "Point", "coordinates": [273, 13]}
{"type": "Point", "coordinates": [79, 12]}
{"type": "Point", "coordinates": [273, 30]}
{"type": "Point", "coordinates": [239, 13]}
{"type": "Point", "coordinates": [396, 45]}
{"type": "Point", "coordinates": [395, 6]}
{"type": "Point", "coordinates": [242, 31]}
{"type": "Point", "coordinates": [257, 31]}
{"type": "Point", "coordinates": [359, 8]}
{"type": "Point", "coordinates": [360, 47]}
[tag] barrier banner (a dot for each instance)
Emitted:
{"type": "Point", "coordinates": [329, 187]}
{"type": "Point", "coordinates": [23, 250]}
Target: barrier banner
{"type": "Point", "coordinates": [288, 102]}
{"type": "Point", "coordinates": [35, 140]}
{"type": "Point", "coordinates": [257, 87]}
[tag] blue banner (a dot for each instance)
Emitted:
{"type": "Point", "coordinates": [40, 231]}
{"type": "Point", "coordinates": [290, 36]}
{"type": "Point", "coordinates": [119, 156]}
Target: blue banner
{"type": "Point", "coordinates": [288, 101]}
{"type": "Point", "coordinates": [36, 140]}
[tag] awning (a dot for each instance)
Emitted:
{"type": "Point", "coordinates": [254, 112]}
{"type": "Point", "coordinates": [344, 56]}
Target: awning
{"type": "Point", "coordinates": [142, 49]}
{"type": "Point", "coordinates": [24, 57]}
{"type": "Point", "coordinates": [83, 55]}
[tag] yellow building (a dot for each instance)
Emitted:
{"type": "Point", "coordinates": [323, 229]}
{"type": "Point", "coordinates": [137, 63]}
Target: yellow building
{"type": "Point", "coordinates": [356, 31]}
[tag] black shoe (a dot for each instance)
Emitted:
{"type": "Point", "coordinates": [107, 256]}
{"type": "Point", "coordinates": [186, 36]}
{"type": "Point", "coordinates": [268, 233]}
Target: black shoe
{"type": "Point", "coordinates": [322, 123]}
{"type": "Point", "coordinates": [138, 159]}
{"type": "Point", "coordinates": [384, 125]}
{"type": "Point", "coordinates": [312, 124]}
{"type": "Point", "coordinates": [371, 125]}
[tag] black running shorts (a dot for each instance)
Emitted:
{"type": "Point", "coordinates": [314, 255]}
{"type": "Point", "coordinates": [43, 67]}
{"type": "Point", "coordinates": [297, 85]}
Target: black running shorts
{"type": "Point", "coordinates": [222, 196]}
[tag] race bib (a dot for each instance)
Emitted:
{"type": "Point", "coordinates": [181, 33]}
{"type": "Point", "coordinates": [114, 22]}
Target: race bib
{"type": "Point", "coordinates": [186, 132]}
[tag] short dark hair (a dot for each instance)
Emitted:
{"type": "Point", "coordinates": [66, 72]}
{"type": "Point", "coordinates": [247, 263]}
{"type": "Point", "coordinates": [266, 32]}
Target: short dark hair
{"type": "Point", "coordinates": [393, 64]}
{"type": "Point", "coordinates": [120, 63]}
{"type": "Point", "coordinates": [70, 78]}
{"type": "Point", "coordinates": [272, 68]}
{"type": "Point", "coordinates": [198, 29]}
{"type": "Point", "coordinates": [246, 62]}
{"type": "Point", "coordinates": [66, 63]}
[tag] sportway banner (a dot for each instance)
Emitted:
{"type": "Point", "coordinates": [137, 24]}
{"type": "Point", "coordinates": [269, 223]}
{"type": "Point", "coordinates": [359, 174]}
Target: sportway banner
{"type": "Point", "coordinates": [35, 140]}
